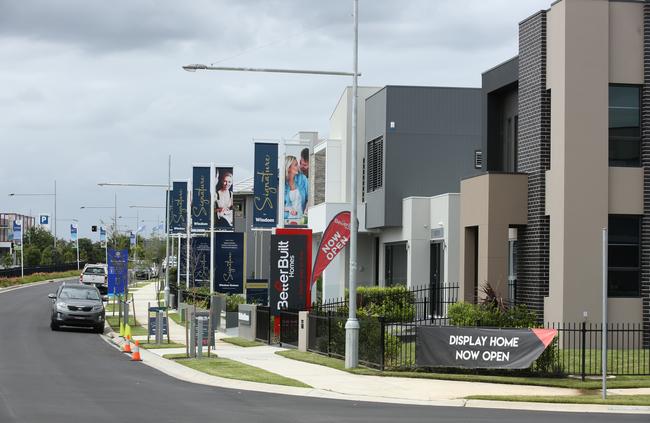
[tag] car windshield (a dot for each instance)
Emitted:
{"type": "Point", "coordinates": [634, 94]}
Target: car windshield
{"type": "Point", "coordinates": [94, 271]}
{"type": "Point", "coordinates": [78, 294]}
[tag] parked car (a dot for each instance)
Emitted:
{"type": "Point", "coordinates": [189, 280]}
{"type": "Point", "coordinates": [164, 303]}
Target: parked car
{"type": "Point", "coordinates": [77, 305]}
{"type": "Point", "coordinates": [95, 275]}
{"type": "Point", "coordinates": [142, 272]}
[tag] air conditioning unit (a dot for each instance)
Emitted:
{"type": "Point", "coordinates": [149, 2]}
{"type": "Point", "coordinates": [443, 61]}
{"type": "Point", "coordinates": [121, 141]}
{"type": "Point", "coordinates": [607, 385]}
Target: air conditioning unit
{"type": "Point", "coordinates": [478, 159]}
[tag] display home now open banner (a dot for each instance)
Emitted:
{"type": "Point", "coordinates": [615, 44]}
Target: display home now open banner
{"type": "Point", "coordinates": [478, 348]}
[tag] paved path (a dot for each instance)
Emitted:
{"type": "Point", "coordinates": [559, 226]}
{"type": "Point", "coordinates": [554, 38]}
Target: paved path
{"type": "Point", "coordinates": [339, 384]}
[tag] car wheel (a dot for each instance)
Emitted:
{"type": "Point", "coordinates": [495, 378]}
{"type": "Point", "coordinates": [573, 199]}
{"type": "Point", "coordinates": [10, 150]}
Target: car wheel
{"type": "Point", "coordinates": [99, 328]}
{"type": "Point", "coordinates": [54, 326]}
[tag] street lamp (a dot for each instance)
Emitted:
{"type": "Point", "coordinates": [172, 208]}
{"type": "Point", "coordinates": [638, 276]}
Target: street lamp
{"type": "Point", "coordinates": [352, 324]}
{"type": "Point", "coordinates": [13, 194]}
{"type": "Point", "coordinates": [168, 188]}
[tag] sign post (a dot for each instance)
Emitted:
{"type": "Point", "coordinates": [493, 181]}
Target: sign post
{"type": "Point", "coordinates": [18, 235]}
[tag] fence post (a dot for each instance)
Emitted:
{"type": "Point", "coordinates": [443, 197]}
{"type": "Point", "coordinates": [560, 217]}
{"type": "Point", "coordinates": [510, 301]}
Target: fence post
{"type": "Point", "coordinates": [329, 333]}
{"type": "Point", "coordinates": [382, 346]}
{"type": "Point", "coordinates": [583, 350]}
{"type": "Point", "coordinates": [269, 320]}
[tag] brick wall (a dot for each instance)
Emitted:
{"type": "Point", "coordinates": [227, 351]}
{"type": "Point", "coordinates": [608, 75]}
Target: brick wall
{"type": "Point", "coordinates": [534, 156]}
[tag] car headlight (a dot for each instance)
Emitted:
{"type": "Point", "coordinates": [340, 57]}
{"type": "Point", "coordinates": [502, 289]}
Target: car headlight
{"type": "Point", "coordinates": [97, 307]}
{"type": "Point", "coordinates": [61, 305]}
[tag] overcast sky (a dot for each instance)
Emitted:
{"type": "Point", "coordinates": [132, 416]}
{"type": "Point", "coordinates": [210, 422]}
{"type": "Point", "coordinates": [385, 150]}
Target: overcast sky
{"type": "Point", "coordinates": [93, 91]}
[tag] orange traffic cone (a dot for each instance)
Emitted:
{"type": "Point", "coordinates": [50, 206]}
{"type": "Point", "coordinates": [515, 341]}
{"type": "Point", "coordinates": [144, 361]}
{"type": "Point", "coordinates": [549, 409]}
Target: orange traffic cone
{"type": "Point", "coordinates": [136, 352]}
{"type": "Point", "coordinates": [127, 347]}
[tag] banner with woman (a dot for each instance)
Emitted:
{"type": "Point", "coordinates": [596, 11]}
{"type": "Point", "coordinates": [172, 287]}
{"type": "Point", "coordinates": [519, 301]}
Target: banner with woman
{"type": "Point", "coordinates": [296, 185]}
{"type": "Point", "coordinates": [224, 215]}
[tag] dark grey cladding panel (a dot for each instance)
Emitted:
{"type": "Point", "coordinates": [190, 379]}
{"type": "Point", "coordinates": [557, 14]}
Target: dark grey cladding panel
{"type": "Point", "coordinates": [645, 158]}
{"type": "Point", "coordinates": [430, 135]}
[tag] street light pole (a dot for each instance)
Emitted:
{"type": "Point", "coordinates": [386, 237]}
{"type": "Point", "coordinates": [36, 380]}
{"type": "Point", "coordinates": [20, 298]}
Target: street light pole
{"type": "Point", "coordinates": [352, 324]}
{"type": "Point", "coordinates": [55, 215]}
{"type": "Point", "coordinates": [167, 195]}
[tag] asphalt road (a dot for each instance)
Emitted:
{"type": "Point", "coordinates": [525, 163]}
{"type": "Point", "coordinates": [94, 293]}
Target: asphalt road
{"type": "Point", "coordinates": [74, 376]}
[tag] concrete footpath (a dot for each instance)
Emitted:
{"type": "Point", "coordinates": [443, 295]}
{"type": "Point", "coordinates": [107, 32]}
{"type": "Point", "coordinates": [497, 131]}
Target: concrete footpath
{"type": "Point", "coordinates": [336, 384]}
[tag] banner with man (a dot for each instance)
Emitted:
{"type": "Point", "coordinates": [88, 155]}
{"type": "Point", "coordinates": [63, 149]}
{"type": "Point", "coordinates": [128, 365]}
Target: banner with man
{"type": "Point", "coordinates": [295, 173]}
{"type": "Point", "coordinates": [265, 186]}
{"type": "Point", "coordinates": [229, 262]}
{"type": "Point", "coordinates": [17, 231]}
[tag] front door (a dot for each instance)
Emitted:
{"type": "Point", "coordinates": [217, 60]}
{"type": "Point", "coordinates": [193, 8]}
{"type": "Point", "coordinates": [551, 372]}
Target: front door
{"type": "Point", "coordinates": [435, 278]}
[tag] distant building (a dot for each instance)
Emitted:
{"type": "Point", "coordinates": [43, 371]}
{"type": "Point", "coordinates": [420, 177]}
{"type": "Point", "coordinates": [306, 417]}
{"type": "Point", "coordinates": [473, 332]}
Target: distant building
{"type": "Point", "coordinates": [6, 229]}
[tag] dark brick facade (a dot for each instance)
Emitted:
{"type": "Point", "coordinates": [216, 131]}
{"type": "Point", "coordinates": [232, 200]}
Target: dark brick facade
{"type": "Point", "coordinates": [534, 157]}
{"type": "Point", "coordinates": [645, 158]}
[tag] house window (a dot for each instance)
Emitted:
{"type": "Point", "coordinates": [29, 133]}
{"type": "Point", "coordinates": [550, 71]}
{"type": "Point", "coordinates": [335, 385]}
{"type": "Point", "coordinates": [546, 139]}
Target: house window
{"type": "Point", "coordinates": [623, 257]}
{"type": "Point", "coordinates": [624, 125]}
{"type": "Point", "coordinates": [375, 167]}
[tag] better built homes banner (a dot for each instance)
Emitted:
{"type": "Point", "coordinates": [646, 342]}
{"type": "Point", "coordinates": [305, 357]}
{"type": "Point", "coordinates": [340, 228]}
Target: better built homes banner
{"type": "Point", "coordinates": [290, 270]}
{"type": "Point", "coordinates": [265, 186]}
{"type": "Point", "coordinates": [200, 198]}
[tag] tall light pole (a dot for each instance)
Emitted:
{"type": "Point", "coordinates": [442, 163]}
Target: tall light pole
{"type": "Point", "coordinates": [352, 324]}
{"type": "Point", "coordinates": [167, 186]}
{"type": "Point", "coordinates": [13, 194]}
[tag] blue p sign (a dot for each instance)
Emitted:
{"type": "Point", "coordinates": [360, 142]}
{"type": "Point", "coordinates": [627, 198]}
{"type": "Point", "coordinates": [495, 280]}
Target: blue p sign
{"type": "Point", "coordinates": [44, 219]}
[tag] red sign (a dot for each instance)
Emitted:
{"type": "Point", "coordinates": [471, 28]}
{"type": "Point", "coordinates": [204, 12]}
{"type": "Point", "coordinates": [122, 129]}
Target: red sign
{"type": "Point", "coordinates": [335, 238]}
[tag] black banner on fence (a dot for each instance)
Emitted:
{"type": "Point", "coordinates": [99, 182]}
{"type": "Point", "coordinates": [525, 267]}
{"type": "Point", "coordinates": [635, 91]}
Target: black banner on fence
{"type": "Point", "coordinates": [289, 272]}
{"type": "Point", "coordinates": [477, 348]}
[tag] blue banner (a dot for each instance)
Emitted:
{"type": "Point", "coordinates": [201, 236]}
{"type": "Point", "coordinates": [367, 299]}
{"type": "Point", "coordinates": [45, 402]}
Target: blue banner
{"type": "Point", "coordinates": [178, 208]}
{"type": "Point", "coordinates": [182, 257]}
{"type": "Point", "coordinates": [132, 239]}
{"type": "Point", "coordinates": [200, 261]}
{"type": "Point", "coordinates": [118, 271]}
{"type": "Point", "coordinates": [265, 186]}
{"type": "Point", "coordinates": [229, 262]}
{"type": "Point", "coordinates": [73, 232]}
{"type": "Point", "coordinates": [200, 210]}
{"type": "Point", "coordinates": [102, 234]}
{"type": "Point", "coordinates": [18, 231]}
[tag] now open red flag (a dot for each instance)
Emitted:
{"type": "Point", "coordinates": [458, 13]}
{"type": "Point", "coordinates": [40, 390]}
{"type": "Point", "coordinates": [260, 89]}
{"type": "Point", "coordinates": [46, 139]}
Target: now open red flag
{"type": "Point", "coordinates": [335, 238]}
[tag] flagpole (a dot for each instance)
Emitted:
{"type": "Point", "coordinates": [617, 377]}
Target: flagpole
{"type": "Point", "coordinates": [77, 243]}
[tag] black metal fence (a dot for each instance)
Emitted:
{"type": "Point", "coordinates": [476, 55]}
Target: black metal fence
{"type": "Point", "coordinates": [14, 272]}
{"type": "Point", "coordinates": [263, 324]}
{"type": "Point", "coordinates": [289, 328]}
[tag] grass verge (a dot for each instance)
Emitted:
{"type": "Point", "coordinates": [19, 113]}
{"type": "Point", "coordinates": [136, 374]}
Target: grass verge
{"type": "Point", "coordinates": [136, 329]}
{"type": "Point", "coordinates": [176, 318]}
{"type": "Point", "coordinates": [151, 345]}
{"type": "Point", "coordinates": [335, 363]}
{"type": "Point", "coordinates": [638, 400]}
{"type": "Point", "coordinates": [241, 342]}
{"type": "Point", "coordinates": [231, 369]}
{"type": "Point", "coordinates": [37, 277]}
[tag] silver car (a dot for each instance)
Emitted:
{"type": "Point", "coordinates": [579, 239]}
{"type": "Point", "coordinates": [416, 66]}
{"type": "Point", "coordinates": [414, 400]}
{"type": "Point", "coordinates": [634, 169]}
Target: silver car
{"type": "Point", "coordinates": [77, 305]}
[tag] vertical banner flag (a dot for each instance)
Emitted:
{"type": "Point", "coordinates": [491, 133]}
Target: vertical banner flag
{"type": "Point", "coordinates": [200, 261]}
{"type": "Point", "coordinates": [335, 238]}
{"type": "Point", "coordinates": [73, 232]}
{"type": "Point", "coordinates": [117, 271]}
{"type": "Point", "coordinates": [290, 267]}
{"type": "Point", "coordinates": [224, 215]}
{"type": "Point", "coordinates": [178, 210]}
{"type": "Point", "coordinates": [132, 238]}
{"type": "Point", "coordinates": [44, 221]}
{"type": "Point", "coordinates": [229, 262]}
{"type": "Point", "coordinates": [102, 235]}
{"type": "Point", "coordinates": [296, 185]}
{"type": "Point", "coordinates": [265, 186]}
{"type": "Point", "coordinates": [18, 232]}
{"type": "Point", "coordinates": [200, 209]}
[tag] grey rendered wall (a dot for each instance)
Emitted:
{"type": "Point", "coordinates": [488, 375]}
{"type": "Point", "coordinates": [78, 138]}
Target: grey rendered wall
{"type": "Point", "coordinates": [256, 258]}
{"type": "Point", "coordinates": [375, 127]}
{"type": "Point", "coordinates": [432, 144]}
